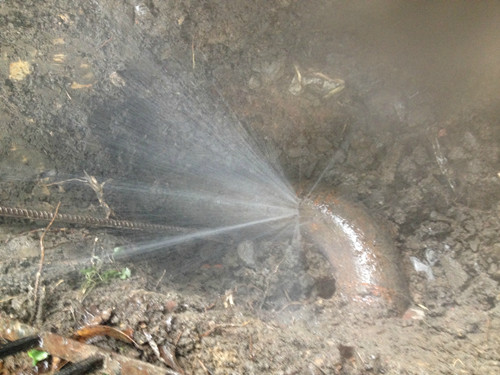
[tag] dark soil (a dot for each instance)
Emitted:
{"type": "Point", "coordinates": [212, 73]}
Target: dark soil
{"type": "Point", "coordinates": [414, 137]}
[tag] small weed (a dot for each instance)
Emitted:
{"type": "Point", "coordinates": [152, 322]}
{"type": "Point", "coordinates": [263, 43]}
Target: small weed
{"type": "Point", "coordinates": [95, 276]}
{"type": "Point", "coordinates": [37, 356]}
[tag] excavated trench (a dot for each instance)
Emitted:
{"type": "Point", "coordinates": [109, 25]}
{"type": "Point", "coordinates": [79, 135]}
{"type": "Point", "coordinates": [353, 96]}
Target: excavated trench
{"type": "Point", "coordinates": [376, 121]}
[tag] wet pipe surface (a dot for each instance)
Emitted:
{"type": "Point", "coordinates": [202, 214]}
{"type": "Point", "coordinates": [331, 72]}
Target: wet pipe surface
{"type": "Point", "coordinates": [365, 261]}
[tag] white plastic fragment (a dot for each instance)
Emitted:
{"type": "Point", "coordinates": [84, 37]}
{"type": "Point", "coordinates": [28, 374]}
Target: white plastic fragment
{"type": "Point", "coordinates": [422, 267]}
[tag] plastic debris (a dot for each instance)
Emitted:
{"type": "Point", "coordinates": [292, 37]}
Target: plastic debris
{"type": "Point", "coordinates": [422, 267]}
{"type": "Point", "coordinates": [317, 83]}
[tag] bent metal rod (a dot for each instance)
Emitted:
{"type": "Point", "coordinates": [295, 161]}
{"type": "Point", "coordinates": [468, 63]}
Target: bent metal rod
{"type": "Point", "coordinates": [23, 213]}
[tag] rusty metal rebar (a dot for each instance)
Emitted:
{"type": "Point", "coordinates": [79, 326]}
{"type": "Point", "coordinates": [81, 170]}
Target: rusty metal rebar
{"type": "Point", "coordinates": [24, 213]}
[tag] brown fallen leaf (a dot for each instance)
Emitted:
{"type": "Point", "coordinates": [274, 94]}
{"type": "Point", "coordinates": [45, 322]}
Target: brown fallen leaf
{"type": "Point", "coordinates": [57, 363]}
{"type": "Point", "coordinates": [167, 354]}
{"type": "Point", "coordinates": [88, 332]}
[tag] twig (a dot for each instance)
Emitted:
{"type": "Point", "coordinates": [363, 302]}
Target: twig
{"type": "Point", "coordinates": [293, 303]}
{"type": "Point", "coordinates": [161, 278]}
{"type": "Point", "coordinates": [319, 368]}
{"type": "Point", "coordinates": [360, 358]}
{"type": "Point", "coordinates": [268, 282]}
{"type": "Point", "coordinates": [38, 302]}
{"type": "Point", "coordinates": [104, 43]}
{"type": "Point", "coordinates": [67, 94]}
{"type": "Point", "coordinates": [178, 337]}
{"type": "Point", "coordinates": [264, 297]}
{"type": "Point", "coordinates": [488, 327]}
{"type": "Point", "coordinates": [210, 307]}
{"type": "Point", "coordinates": [95, 185]}
{"type": "Point", "coordinates": [442, 162]}
{"type": "Point", "coordinates": [39, 311]}
{"type": "Point", "coordinates": [250, 348]}
{"type": "Point", "coordinates": [98, 189]}
{"type": "Point", "coordinates": [287, 296]}
{"type": "Point", "coordinates": [192, 54]}
{"type": "Point", "coordinates": [204, 367]}
{"type": "Point", "coordinates": [63, 182]}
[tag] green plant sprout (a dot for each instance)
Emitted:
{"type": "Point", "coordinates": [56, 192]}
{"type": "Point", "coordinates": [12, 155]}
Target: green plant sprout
{"type": "Point", "coordinates": [95, 276]}
{"type": "Point", "coordinates": [37, 356]}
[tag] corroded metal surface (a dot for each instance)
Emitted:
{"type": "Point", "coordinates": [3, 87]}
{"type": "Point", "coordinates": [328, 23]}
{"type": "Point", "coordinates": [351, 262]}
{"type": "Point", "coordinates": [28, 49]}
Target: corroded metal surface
{"type": "Point", "coordinates": [24, 213]}
{"type": "Point", "coordinates": [366, 264]}
{"type": "Point", "coordinates": [74, 351]}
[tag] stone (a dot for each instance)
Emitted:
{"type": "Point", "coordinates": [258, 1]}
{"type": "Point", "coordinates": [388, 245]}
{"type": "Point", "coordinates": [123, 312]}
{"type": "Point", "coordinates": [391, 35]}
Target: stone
{"type": "Point", "coordinates": [246, 252]}
{"type": "Point", "coordinates": [456, 275]}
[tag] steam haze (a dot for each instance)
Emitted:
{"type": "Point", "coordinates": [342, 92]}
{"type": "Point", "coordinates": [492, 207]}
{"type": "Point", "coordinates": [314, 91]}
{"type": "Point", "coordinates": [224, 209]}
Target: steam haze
{"type": "Point", "coordinates": [449, 52]}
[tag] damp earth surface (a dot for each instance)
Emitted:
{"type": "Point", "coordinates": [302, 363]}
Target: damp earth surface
{"type": "Point", "coordinates": [217, 114]}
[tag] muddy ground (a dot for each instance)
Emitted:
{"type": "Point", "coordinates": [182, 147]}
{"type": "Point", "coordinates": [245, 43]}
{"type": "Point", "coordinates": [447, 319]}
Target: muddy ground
{"type": "Point", "coordinates": [402, 116]}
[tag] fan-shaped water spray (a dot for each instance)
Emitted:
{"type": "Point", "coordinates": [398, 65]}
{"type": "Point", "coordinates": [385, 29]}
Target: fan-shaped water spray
{"type": "Point", "coordinates": [181, 158]}
{"type": "Point", "coordinates": [209, 173]}
{"type": "Point", "coordinates": [210, 177]}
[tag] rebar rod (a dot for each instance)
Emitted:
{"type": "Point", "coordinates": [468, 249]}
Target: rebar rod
{"type": "Point", "coordinates": [24, 213]}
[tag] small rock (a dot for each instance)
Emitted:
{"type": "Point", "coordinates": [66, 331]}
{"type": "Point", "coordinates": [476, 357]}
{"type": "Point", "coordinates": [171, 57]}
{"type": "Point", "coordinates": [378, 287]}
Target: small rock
{"type": "Point", "coordinates": [170, 305]}
{"type": "Point", "coordinates": [455, 274]}
{"type": "Point", "coordinates": [254, 83]}
{"type": "Point", "coordinates": [246, 252]}
{"type": "Point", "coordinates": [414, 314]}
{"type": "Point", "coordinates": [470, 141]}
{"type": "Point", "coordinates": [399, 216]}
{"type": "Point", "coordinates": [117, 80]}
{"type": "Point", "coordinates": [271, 71]}
{"type": "Point", "coordinates": [474, 244]}
{"type": "Point", "coordinates": [431, 257]}
{"type": "Point", "coordinates": [494, 271]}
{"type": "Point", "coordinates": [339, 157]}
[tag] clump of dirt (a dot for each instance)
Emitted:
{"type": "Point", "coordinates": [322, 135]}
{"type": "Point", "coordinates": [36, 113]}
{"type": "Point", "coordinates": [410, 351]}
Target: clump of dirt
{"type": "Point", "coordinates": [330, 92]}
